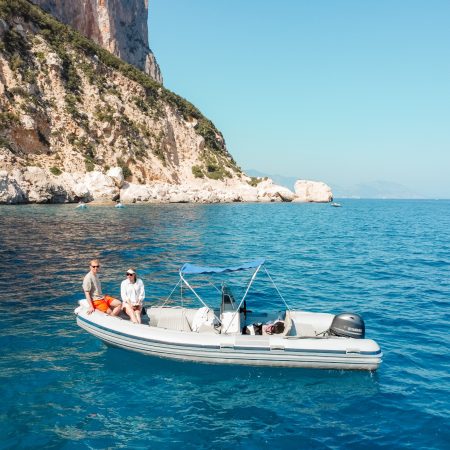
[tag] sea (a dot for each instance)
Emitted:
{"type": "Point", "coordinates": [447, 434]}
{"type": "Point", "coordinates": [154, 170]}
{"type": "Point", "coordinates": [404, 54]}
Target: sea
{"type": "Point", "coordinates": [387, 260]}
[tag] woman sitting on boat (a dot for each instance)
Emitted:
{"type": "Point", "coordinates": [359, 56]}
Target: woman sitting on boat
{"type": "Point", "coordinates": [133, 293]}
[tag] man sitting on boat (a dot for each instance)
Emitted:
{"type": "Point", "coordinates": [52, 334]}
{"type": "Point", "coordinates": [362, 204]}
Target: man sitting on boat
{"type": "Point", "coordinates": [93, 291]}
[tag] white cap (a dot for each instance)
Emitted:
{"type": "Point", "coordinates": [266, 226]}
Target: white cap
{"type": "Point", "coordinates": [131, 271]}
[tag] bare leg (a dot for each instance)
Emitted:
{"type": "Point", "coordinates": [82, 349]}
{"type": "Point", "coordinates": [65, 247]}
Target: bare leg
{"type": "Point", "coordinates": [129, 310]}
{"type": "Point", "coordinates": [138, 315]}
{"type": "Point", "coordinates": [116, 311]}
{"type": "Point", "coordinates": [117, 306]}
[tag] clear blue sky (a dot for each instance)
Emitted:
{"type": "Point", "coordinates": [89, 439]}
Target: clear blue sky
{"type": "Point", "coordinates": [338, 91]}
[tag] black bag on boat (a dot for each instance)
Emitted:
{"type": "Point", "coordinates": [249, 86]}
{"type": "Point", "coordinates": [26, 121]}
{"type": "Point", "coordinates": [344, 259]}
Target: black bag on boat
{"type": "Point", "coordinates": [258, 328]}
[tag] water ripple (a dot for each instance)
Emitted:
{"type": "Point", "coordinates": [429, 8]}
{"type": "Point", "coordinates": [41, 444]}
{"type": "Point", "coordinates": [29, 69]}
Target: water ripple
{"type": "Point", "coordinates": [388, 260]}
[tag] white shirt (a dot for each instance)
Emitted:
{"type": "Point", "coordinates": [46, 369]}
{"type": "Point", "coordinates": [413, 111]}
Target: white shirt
{"type": "Point", "coordinates": [132, 293]}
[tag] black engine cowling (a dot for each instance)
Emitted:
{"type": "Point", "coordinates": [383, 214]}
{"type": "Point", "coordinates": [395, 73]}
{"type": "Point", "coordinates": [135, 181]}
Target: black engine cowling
{"type": "Point", "coordinates": [348, 325]}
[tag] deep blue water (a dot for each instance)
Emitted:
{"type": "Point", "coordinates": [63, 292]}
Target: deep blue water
{"type": "Point", "coordinates": [387, 260]}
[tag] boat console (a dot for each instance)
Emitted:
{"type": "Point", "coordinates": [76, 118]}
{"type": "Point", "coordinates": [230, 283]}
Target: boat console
{"type": "Point", "coordinates": [229, 317]}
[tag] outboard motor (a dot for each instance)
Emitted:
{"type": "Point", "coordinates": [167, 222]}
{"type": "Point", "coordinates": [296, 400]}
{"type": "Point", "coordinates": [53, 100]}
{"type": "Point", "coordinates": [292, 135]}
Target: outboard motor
{"type": "Point", "coordinates": [348, 325]}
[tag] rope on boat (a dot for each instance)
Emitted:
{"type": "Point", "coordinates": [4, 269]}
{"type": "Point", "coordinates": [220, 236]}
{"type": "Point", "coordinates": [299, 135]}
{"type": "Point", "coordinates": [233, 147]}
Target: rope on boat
{"type": "Point", "coordinates": [198, 297]}
{"type": "Point", "coordinates": [275, 286]}
{"type": "Point", "coordinates": [214, 286]}
{"type": "Point", "coordinates": [170, 295]}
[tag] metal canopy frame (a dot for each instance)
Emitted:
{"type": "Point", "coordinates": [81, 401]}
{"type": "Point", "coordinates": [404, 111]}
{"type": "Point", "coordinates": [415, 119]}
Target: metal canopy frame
{"type": "Point", "coordinates": [191, 269]}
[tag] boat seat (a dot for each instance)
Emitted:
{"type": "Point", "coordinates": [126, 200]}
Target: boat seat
{"type": "Point", "coordinates": [208, 329]}
{"type": "Point", "coordinates": [178, 319]}
{"type": "Point", "coordinates": [177, 322]}
{"type": "Point", "coordinates": [306, 330]}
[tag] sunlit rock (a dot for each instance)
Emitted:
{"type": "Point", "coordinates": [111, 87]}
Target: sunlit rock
{"type": "Point", "coordinates": [10, 191]}
{"type": "Point", "coordinates": [312, 191]}
{"type": "Point", "coordinates": [116, 173]}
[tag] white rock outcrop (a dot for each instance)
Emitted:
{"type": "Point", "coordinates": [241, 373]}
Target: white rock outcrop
{"type": "Point", "coordinates": [116, 173]}
{"type": "Point", "coordinates": [37, 185]}
{"type": "Point", "coordinates": [312, 191]}
{"type": "Point", "coordinates": [204, 192]}
{"type": "Point", "coordinates": [10, 191]}
{"type": "Point", "coordinates": [101, 187]}
{"type": "Point", "coordinates": [268, 189]}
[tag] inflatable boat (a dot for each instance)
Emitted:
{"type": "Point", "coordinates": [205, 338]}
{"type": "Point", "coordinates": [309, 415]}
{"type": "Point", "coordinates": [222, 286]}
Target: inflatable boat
{"type": "Point", "coordinates": [234, 334]}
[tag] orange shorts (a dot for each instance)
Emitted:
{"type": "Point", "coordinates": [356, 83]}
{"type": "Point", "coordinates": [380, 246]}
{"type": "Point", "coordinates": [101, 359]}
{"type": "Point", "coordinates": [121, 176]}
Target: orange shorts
{"type": "Point", "coordinates": [104, 303]}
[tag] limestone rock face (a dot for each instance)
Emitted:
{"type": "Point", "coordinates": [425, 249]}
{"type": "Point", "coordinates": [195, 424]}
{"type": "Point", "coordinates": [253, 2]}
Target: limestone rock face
{"type": "Point", "coordinates": [37, 185]}
{"type": "Point", "coordinates": [267, 188]}
{"type": "Point", "coordinates": [116, 173]}
{"type": "Point", "coordinates": [205, 191]}
{"type": "Point", "coordinates": [119, 26]}
{"type": "Point", "coordinates": [32, 185]}
{"type": "Point", "coordinates": [10, 191]}
{"type": "Point", "coordinates": [101, 187]}
{"type": "Point", "coordinates": [312, 191]}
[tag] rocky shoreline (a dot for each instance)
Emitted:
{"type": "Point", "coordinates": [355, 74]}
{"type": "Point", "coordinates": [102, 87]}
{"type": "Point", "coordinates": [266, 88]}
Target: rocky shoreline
{"type": "Point", "coordinates": [37, 185]}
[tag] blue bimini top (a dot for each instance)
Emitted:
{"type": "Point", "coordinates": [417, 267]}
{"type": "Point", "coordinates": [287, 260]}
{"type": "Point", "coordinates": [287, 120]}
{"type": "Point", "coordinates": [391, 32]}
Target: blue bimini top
{"type": "Point", "coordinates": [191, 269]}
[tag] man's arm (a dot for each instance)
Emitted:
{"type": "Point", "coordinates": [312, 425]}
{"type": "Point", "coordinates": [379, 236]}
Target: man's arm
{"type": "Point", "coordinates": [89, 300]}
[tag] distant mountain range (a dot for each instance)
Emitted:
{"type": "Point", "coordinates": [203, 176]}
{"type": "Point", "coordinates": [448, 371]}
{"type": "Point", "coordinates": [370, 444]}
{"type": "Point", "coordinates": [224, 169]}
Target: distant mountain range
{"type": "Point", "coordinates": [374, 189]}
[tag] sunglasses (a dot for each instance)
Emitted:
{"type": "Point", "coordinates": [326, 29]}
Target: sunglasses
{"type": "Point", "coordinates": [130, 274]}
{"type": "Point", "coordinates": [95, 267]}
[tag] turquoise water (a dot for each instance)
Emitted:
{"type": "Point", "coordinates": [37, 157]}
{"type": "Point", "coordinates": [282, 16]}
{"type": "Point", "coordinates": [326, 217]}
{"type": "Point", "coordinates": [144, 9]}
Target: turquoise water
{"type": "Point", "coordinates": [387, 260]}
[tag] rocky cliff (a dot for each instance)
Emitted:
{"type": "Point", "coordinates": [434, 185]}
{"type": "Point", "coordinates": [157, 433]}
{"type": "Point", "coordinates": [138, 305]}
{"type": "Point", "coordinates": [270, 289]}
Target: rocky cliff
{"type": "Point", "coordinates": [70, 111]}
{"type": "Point", "coordinates": [118, 26]}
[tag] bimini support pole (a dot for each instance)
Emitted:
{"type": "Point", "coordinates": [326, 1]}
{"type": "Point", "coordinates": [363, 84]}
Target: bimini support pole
{"type": "Point", "coordinates": [275, 286]}
{"type": "Point", "coordinates": [195, 293]}
{"type": "Point", "coordinates": [198, 297]}
{"type": "Point", "coordinates": [243, 298]}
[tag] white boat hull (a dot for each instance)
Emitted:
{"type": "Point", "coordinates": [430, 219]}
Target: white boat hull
{"type": "Point", "coordinates": [266, 350]}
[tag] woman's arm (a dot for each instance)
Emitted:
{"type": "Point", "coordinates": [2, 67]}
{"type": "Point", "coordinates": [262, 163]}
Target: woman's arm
{"type": "Point", "coordinates": [141, 295]}
{"type": "Point", "coordinates": [123, 292]}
